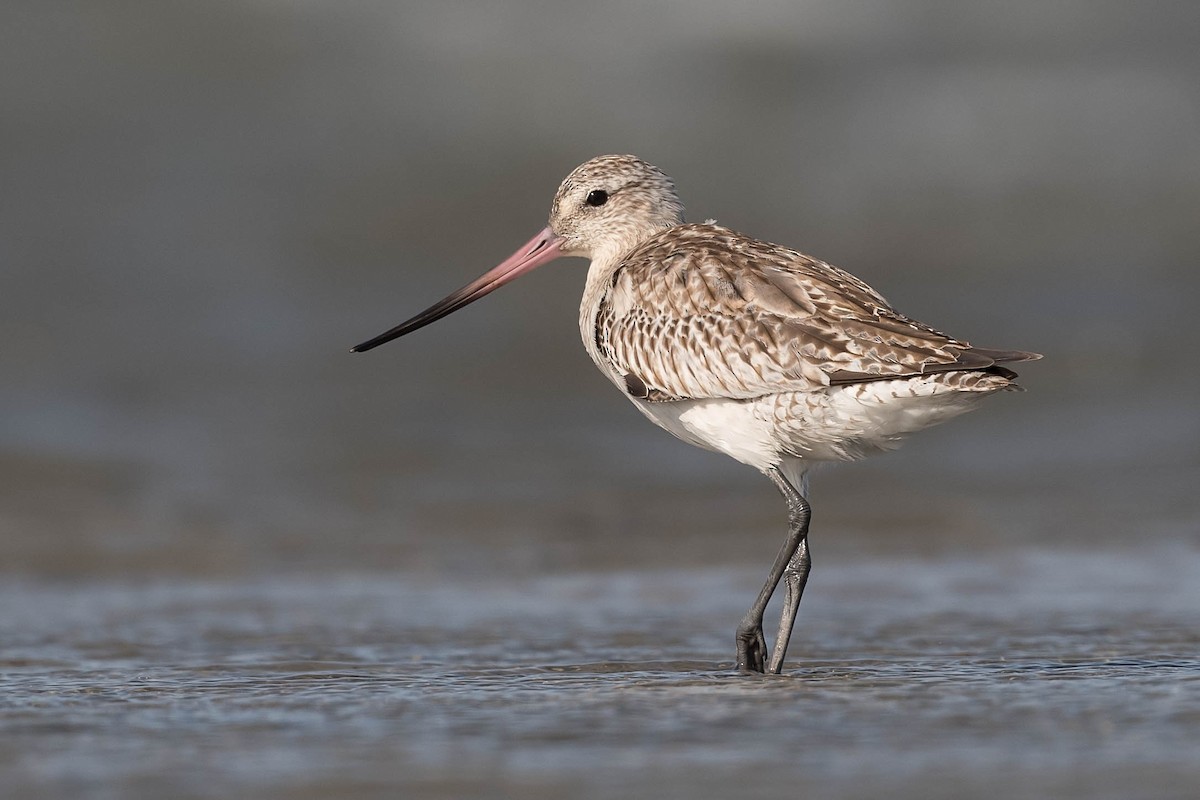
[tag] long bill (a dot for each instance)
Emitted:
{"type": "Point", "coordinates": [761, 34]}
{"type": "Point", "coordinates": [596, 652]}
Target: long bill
{"type": "Point", "coordinates": [544, 247]}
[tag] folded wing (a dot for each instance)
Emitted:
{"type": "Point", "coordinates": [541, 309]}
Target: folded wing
{"type": "Point", "coordinates": [703, 312]}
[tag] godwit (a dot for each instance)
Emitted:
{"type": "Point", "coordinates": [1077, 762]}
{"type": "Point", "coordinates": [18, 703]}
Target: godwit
{"type": "Point", "coordinates": [743, 347]}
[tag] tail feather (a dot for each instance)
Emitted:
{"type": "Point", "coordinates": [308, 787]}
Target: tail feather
{"type": "Point", "coordinates": [1004, 356]}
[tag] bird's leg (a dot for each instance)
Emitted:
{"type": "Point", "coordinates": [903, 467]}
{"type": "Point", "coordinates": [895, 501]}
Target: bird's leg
{"type": "Point", "coordinates": [751, 646]}
{"type": "Point", "coordinates": [795, 575]}
{"type": "Point", "coordinates": [794, 578]}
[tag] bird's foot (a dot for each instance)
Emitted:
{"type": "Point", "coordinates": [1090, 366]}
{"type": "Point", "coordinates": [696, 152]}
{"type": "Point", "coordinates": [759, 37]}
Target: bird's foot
{"type": "Point", "coordinates": [751, 649]}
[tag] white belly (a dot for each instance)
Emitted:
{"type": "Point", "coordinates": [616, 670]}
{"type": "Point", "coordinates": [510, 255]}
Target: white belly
{"type": "Point", "coordinates": [836, 424]}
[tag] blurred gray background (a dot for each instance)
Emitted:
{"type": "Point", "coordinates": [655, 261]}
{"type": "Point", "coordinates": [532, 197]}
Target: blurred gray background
{"type": "Point", "coordinates": [206, 204]}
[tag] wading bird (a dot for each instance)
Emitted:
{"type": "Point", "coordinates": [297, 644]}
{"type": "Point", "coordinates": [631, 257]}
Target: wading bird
{"type": "Point", "coordinates": [743, 347]}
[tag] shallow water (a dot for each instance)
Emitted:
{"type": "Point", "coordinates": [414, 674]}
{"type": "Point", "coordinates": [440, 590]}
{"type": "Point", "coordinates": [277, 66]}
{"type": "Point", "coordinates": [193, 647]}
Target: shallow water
{"type": "Point", "coordinates": [1050, 674]}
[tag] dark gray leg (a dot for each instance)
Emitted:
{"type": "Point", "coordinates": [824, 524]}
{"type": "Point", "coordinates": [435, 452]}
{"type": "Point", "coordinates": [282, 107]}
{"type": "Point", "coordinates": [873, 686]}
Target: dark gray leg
{"type": "Point", "coordinates": [751, 645]}
{"type": "Point", "coordinates": [794, 578]}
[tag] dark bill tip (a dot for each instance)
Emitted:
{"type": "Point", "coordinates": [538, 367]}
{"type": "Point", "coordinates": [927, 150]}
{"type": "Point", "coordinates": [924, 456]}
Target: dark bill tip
{"type": "Point", "coordinates": [537, 251]}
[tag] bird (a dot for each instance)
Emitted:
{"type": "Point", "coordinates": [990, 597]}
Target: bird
{"type": "Point", "coordinates": [743, 347]}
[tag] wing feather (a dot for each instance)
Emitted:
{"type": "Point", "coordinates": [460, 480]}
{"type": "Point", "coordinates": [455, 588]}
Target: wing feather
{"type": "Point", "coordinates": [700, 311]}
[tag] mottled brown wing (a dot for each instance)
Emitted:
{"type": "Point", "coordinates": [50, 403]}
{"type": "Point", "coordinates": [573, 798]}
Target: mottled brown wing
{"type": "Point", "coordinates": [700, 311]}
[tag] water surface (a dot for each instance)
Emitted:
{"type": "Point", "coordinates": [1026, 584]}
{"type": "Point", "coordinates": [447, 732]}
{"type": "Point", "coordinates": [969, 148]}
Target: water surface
{"type": "Point", "coordinates": [1061, 674]}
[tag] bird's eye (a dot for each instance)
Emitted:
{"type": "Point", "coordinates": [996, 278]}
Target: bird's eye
{"type": "Point", "coordinates": [597, 197]}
